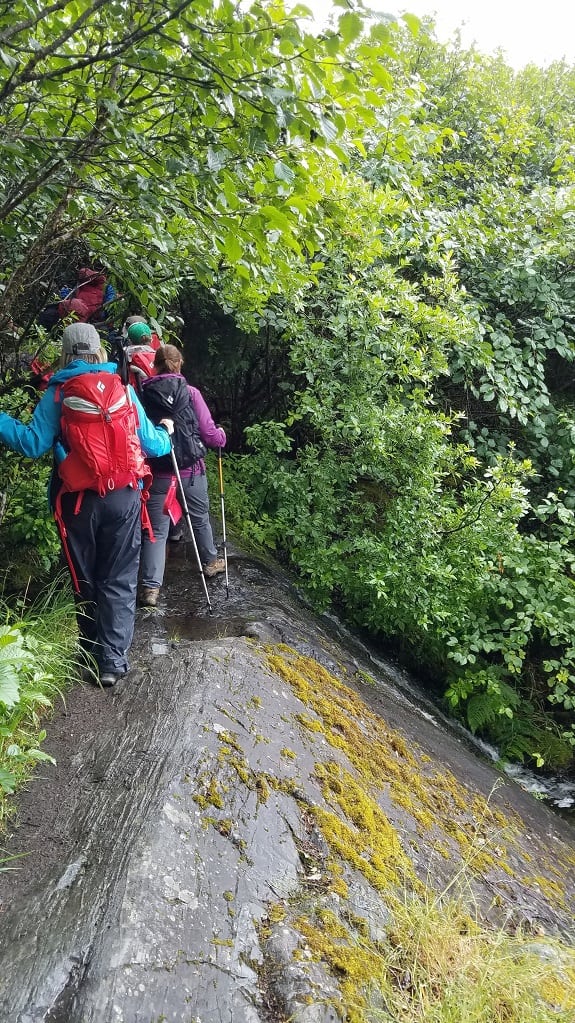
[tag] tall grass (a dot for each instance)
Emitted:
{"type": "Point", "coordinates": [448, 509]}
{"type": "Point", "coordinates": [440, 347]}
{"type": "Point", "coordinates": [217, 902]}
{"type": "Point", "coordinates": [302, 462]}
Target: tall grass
{"type": "Point", "coordinates": [443, 957]}
{"type": "Point", "coordinates": [443, 966]}
{"type": "Point", "coordinates": [38, 642]}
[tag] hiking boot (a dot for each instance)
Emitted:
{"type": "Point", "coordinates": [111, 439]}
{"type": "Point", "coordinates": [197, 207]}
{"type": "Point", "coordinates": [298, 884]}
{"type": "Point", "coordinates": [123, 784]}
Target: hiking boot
{"type": "Point", "coordinates": [109, 679]}
{"type": "Point", "coordinates": [149, 596]}
{"type": "Point", "coordinates": [215, 566]}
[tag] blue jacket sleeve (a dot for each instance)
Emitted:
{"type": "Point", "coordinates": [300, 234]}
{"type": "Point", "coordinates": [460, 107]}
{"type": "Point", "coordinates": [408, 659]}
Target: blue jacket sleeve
{"type": "Point", "coordinates": [37, 437]}
{"type": "Point", "coordinates": [155, 440]}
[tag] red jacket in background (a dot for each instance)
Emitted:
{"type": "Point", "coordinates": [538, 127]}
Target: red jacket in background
{"type": "Point", "coordinates": [91, 287]}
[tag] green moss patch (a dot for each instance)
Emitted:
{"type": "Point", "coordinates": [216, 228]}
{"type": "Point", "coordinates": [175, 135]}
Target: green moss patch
{"type": "Point", "coordinates": [387, 774]}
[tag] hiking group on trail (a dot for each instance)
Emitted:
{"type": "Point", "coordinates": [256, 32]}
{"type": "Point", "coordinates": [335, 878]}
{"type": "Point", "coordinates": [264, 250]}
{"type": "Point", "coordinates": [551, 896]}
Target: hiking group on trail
{"type": "Point", "coordinates": [124, 439]}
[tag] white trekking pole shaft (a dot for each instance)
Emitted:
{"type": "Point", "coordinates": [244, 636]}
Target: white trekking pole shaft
{"type": "Point", "coordinates": [225, 542]}
{"type": "Point", "coordinates": [190, 527]}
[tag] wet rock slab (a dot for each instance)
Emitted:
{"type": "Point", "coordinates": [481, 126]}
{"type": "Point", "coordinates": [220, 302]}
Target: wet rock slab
{"type": "Point", "coordinates": [184, 835]}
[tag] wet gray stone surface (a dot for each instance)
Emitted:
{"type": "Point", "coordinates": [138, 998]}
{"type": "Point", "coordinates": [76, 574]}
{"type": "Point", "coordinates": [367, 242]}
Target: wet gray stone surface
{"type": "Point", "coordinates": [183, 815]}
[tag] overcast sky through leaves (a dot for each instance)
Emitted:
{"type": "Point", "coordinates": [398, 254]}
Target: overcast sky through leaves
{"type": "Point", "coordinates": [525, 31]}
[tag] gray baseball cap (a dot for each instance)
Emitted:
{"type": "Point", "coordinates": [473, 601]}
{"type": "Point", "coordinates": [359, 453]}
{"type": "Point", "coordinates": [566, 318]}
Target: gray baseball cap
{"type": "Point", "coordinates": [81, 339]}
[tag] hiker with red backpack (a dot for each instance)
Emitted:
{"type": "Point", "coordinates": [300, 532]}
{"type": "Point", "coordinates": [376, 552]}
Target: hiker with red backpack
{"type": "Point", "coordinates": [139, 352]}
{"type": "Point", "coordinates": [168, 393]}
{"type": "Point", "coordinates": [93, 291]}
{"type": "Point", "coordinates": [141, 333]}
{"type": "Point", "coordinates": [100, 434]}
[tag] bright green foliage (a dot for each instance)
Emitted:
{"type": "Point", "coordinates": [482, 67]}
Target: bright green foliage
{"type": "Point", "coordinates": [36, 666]}
{"type": "Point", "coordinates": [428, 483]}
{"type": "Point", "coordinates": [179, 138]}
{"type": "Point", "coordinates": [29, 546]}
{"type": "Point", "coordinates": [13, 656]}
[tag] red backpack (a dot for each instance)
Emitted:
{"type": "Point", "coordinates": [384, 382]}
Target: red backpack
{"type": "Point", "coordinates": [140, 359]}
{"type": "Point", "coordinates": [98, 429]}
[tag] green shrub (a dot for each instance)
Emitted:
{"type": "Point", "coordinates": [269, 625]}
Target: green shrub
{"type": "Point", "coordinates": [37, 643]}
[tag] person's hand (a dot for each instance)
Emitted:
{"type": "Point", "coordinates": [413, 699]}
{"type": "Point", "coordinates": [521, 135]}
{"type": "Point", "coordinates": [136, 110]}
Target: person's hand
{"type": "Point", "coordinates": [168, 424]}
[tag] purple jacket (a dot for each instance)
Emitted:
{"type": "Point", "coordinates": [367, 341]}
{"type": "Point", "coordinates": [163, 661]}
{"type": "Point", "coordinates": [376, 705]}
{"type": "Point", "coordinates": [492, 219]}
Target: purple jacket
{"type": "Point", "coordinates": [213, 436]}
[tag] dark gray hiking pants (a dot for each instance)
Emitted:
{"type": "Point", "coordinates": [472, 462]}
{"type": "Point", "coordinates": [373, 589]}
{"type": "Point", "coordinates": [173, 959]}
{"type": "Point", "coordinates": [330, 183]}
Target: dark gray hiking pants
{"type": "Point", "coordinates": [104, 541]}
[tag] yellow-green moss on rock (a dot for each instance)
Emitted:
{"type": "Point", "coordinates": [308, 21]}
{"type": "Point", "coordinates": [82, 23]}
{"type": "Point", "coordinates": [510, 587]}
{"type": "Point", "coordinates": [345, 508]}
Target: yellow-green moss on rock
{"type": "Point", "coordinates": [389, 770]}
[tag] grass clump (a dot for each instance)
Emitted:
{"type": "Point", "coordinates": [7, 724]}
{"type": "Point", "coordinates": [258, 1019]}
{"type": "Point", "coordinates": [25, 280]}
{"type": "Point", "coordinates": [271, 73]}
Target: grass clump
{"type": "Point", "coordinates": [439, 964]}
{"type": "Point", "coordinates": [37, 644]}
{"type": "Point", "coordinates": [443, 966]}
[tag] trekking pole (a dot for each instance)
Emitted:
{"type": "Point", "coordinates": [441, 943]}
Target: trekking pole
{"type": "Point", "coordinates": [221, 475]}
{"type": "Point", "coordinates": [189, 521]}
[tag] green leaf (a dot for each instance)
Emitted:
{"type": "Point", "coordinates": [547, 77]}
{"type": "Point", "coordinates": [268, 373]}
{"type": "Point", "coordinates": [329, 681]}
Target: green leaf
{"type": "Point", "coordinates": [216, 158]}
{"type": "Point", "coordinates": [283, 172]}
{"type": "Point", "coordinates": [8, 60]}
{"type": "Point", "coordinates": [233, 248]}
{"type": "Point", "coordinates": [7, 781]}
{"type": "Point", "coordinates": [413, 23]}
{"type": "Point", "coordinates": [350, 26]}
{"type": "Point", "coordinates": [327, 128]}
{"type": "Point", "coordinates": [275, 218]}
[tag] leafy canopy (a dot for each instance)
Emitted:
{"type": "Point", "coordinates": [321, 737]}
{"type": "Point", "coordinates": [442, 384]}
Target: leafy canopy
{"type": "Point", "coordinates": [177, 138]}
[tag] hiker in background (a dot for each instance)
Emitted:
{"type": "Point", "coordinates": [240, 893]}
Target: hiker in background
{"type": "Point", "coordinates": [193, 428]}
{"type": "Point", "coordinates": [139, 354]}
{"type": "Point", "coordinates": [93, 290]}
{"type": "Point", "coordinates": [96, 489]}
{"type": "Point", "coordinates": [139, 332]}
{"type": "Point", "coordinates": [85, 302]}
{"type": "Point", "coordinates": [129, 321]}
{"type": "Point", "coordinates": [73, 309]}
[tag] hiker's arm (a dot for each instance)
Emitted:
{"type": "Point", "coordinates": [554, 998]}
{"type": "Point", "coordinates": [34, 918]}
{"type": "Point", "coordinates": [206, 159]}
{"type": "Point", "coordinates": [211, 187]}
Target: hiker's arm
{"type": "Point", "coordinates": [155, 440]}
{"type": "Point", "coordinates": [213, 436]}
{"type": "Point", "coordinates": [110, 295]}
{"type": "Point", "coordinates": [36, 437]}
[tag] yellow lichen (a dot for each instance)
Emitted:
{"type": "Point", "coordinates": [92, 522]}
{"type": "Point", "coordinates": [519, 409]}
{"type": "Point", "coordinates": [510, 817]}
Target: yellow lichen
{"type": "Point", "coordinates": [558, 989]}
{"type": "Point", "coordinates": [230, 740]}
{"type": "Point", "coordinates": [553, 891]}
{"type": "Point", "coordinates": [391, 770]}
{"type": "Point", "coordinates": [262, 788]}
{"type": "Point", "coordinates": [210, 796]}
{"type": "Point", "coordinates": [371, 844]}
{"type": "Point", "coordinates": [351, 962]}
{"type": "Point", "coordinates": [276, 912]}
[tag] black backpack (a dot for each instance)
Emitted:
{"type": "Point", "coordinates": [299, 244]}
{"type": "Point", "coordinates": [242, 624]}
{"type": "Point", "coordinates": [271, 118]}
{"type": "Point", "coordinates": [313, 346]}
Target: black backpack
{"type": "Point", "coordinates": [167, 397]}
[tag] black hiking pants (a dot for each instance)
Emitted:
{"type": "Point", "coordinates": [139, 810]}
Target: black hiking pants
{"type": "Point", "coordinates": [103, 541]}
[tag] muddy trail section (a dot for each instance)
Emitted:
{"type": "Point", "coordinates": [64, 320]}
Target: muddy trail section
{"type": "Point", "coordinates": [253, 770]}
